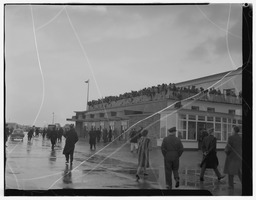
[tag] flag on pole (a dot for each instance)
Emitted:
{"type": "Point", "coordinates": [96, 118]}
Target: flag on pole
{"type": "Point", "coordinates": [87, 81]}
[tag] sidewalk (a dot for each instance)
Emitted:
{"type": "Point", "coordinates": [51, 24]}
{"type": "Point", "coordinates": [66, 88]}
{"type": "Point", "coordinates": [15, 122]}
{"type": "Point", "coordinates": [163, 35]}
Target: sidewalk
{"type": "Point", "coordinates": [189, 168]}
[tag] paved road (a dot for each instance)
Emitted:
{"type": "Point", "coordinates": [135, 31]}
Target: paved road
{"type": "Point", "coordinates": [34, 166]}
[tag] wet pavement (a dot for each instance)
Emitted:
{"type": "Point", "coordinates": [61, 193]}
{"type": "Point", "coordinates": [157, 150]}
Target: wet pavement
{"type": "Point", "coordinates": [34, 166]}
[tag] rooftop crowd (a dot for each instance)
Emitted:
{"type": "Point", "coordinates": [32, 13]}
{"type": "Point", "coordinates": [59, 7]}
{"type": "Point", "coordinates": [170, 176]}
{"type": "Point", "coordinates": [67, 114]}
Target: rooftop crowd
{"type": "Point", "coordinates": [155, 93]}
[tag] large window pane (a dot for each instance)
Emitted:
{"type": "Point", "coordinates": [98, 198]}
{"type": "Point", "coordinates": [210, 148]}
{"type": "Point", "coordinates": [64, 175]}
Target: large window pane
{"type": "Point", "coordinates": [182, 125]}
{"type": "Point", "coordinates": [163, 126]}
{"type": "Point", "coordinates": [201, 118]}
{"type": "Point", "coordinates": [218, 127]}
{"type": "Point", "coordinates": [182, 134]}
{"type": "Point", "coordinates": [224, 132]}
{"type": "Point", "coordinates": [192, 117]}
{"type": "Point", "coordinates": [217, 119]}
{"type": "Point", "coordinates": [162, 131]}
{"type": "Point", "coordinates": [191, 130]}
{"type": "Point", "coordinates": [209, 126]}
{"type": "Point", "coordinates": [210, 119]}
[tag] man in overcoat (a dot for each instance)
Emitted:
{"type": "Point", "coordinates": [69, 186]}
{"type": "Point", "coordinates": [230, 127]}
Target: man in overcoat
{"type": "Point", "coordinates": [71, 140]}
{"type": "Point", "coordinates": [233, 163]}
{"type": "Point", "coordinates": [92, 139]}
{"type": "Point", "coordinates": [210, 159]}
{"type": "Point", "coordinates": [172, 149]}
{"type": "Point", "coordinates": [53, 137]}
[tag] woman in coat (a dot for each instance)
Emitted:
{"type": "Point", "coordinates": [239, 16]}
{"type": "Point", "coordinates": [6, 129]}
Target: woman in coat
{"type": "Point", "coordinates": [233, 163]}
{"type": "Point", "coordinates": [71, 139]}
{"type": "Point", "coordinates": [143, 154]}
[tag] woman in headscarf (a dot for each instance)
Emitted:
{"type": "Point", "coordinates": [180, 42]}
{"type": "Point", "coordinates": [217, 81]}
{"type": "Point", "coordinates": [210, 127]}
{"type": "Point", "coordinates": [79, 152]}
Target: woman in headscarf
{"type": "Point", "coordinates": [143, 154]}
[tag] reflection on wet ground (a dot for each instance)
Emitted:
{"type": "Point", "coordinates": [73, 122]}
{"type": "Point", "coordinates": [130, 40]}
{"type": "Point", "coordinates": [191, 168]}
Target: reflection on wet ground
{"type": "Point", "coordinates": [33, 165]}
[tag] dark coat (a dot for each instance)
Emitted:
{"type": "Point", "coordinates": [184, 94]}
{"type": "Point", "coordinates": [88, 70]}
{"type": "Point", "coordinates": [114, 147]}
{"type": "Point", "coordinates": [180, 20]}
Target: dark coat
{"type": "Point", "coordinates": [209, 150]}
{"type": "Point", "coordinates": [171, 148]}
{"type": "Point", "coordinates": [134, 137]}
{"type": "Point", "coordinates": [93, 136]}
{"type": "Point", "coordinates": [53, 136]}
{"type": "Point", "coordinates": [30, 133]}
{"type": "Point", "coordinates": [71, 139]}
{"type": "Point", "coordinates": [233, 163]}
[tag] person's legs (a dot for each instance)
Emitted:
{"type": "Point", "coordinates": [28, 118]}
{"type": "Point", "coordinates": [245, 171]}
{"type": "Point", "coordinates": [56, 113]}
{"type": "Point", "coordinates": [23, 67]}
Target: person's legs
{"type": "Point", "coordinates": [168, 173]}
{"type": "Point", "coordinates": [67, 157]}
{"type": "Point", "coordinates": [71, 156]}
{"type": "Point", "coordinates": [202, 172]}
{"type": "Point", "coordinates": [175, 167]}
{"type": "Point", "coordinates": [218, 174]}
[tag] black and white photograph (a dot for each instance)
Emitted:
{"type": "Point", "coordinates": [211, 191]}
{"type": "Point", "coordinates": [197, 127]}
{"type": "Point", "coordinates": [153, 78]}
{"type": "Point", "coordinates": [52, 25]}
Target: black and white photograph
{"type": "Point", "coordinates": [127, 99]}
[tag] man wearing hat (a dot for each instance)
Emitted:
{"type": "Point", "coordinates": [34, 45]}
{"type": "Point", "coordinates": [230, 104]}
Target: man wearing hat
{"type": "Point", "coordinates": [172, 149]}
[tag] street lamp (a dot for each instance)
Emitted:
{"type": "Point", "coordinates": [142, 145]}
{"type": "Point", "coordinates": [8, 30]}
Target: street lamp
{"type": "Point", "coordinates": [87, 94]}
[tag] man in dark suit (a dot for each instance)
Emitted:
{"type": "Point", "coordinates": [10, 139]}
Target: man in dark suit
{"type": "Point", "coordinates": [172, 149]}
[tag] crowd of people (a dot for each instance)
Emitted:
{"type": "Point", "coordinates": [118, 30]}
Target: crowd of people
{"type": "Point", "coordinates": [171, 148]}
{"type": "Point", "coordinates": [155, 93]}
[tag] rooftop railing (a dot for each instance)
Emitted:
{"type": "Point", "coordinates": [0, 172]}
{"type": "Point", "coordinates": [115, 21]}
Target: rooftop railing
{"type": "Point", "coordinates": [174, 95]}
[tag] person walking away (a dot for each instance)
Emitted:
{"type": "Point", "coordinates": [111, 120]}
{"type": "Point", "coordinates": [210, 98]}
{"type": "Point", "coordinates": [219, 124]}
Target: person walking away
{"type": "Point", "coordinates": [172, 149]}
{"type": "Point", "coordinates": [53, 137]}
{"type": "Point", "coordinates": [60, 134]}
{"type": "Point", "coordinates": [92, 139]}
{"type": "Point", "coordinates": [110, 134]}
{"type": "Point", "coordinates": [98, 134]}
{"type": "Point", "coordinates": [143, 154]}
{"type": "Point", "coordinates": [105, 135]}
{"type": "Point", "coordinates": [37, 132]}
{"type": "Point", "coordinates": [71, 140]}
{"type": "Point", "coordinates": [44, 133]}
{"type": "Point", "coordinates": [133, 140]}
{"type": "Point", "coordinates": [30, 134]}
{"type": "Point", "coordinates": [233, 162]}
{"type": "Point", "coordinates": [210, 159]}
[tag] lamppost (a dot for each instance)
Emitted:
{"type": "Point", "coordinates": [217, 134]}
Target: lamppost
{"type": "Point", "coordinates": [87, 94]}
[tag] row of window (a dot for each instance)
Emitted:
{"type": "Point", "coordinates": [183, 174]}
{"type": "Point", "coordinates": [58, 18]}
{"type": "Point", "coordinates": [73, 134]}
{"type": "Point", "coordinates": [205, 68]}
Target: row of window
{"type": "Point", "coordinates": [111, 124]}
{"type": "Point", "coordinates": [209, 109]}
{"type": "Point", "coordinates": [190, 127]}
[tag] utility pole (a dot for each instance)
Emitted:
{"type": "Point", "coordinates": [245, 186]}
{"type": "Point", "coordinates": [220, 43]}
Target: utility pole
{"type": "Point", "coordinates": [87, 94]}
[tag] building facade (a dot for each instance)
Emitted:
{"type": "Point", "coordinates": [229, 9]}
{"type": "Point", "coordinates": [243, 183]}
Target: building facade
{"type": "Point", "coordinates": [188, 110]}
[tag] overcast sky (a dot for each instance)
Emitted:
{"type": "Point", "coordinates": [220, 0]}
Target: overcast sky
{"type": "Point", "coordinates": [119, 48]}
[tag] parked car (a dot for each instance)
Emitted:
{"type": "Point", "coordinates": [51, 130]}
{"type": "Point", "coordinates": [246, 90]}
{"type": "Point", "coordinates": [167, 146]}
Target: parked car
{"type": "Point", "coordinates": [17, 134]}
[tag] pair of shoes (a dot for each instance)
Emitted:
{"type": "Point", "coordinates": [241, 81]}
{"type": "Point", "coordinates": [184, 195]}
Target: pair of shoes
{"type": "Point", "coordinates": [221, 177]}
{"type": "Point", "coordinates": [177, 184]}
{"type": "Point", "coordinates": [201, 179]}
{"type": "Point", "coordinates": [137, 177]}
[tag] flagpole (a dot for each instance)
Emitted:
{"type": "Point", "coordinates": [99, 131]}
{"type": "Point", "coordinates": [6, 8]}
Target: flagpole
{"type": "Point", "coordinates": [87, 107]}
